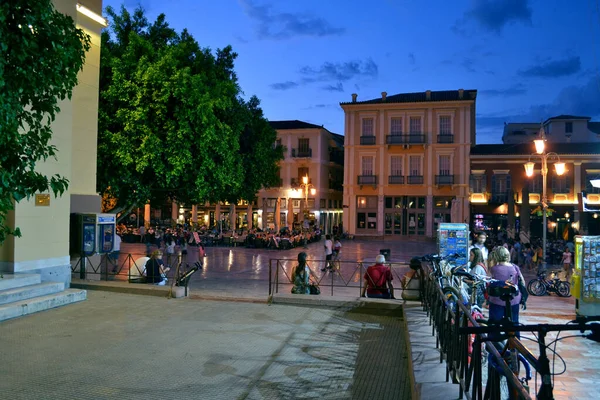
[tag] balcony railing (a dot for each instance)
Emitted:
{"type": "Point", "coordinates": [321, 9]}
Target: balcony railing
{"type": "Point", "coordinates": [444, 179]}
{"type": "Point", "coordinates": [412, 138]}
{"type": "Point", "coordinates": [394, 139]}
{"type": "Point", "coordinates": [302, 153]}
{"type": "Point", "coordinates": [295, 182]}
{"type": "Point", "coordinates": [367, 140]}
{"type": "Point", "coordinates": [396, 179]}
{"type": "Point", "coordinates": [446, 138]}
{"type": "Point", "coordinates": [415, 138]}
{"type": "Point", "coordinates": [414, 179]}
{"type": "Point", "coordinates": [367, 179]}
{"type": "Point", "coordinates": [499, 197]}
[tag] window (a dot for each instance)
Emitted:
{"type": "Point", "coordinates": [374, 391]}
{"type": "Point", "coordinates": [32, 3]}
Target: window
{"type": "Point", "coordinates": [367, 166]}
{"type": "Point", "coordinates": [445, 125]}
{"type": "Point", "coordinates": [303, 145]}
{"type": "Point", "coordinates": [323, 203]}
{"type": "Point", "coordinates": [478, 183]}
{"type": "Point", "coordinates": [535, 183]}
{"type": "Point", "coordinates": [302, 172]}
{"type": "Point", "coordinates": [396, 166]}
{"type": "Point", "coordinates": [415, 125]}
{"type": "Point", "coordinates": [500, 187]}
{"type": "Point", "coordinates": [414, 165]}
{"type": "Point", "coordinates": [560, 184]}
{"type": "Point", "coordinates": [367, 127]}
{"type": "Point", "coordinates": [396, 126]}
{"type": "Point", "coordinates": [588, 185]}
{"type": "Point", "coordinates": [361, 220]}
{"type": "Point", "coordinates": [444, 166]}
{"type": "Point", "coordinates": [568, 127]}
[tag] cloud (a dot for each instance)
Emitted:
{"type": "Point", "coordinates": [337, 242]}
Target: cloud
{"type": "Point", "coordinates": [340, 72]}
{"type": "Point", "coordinates": [338, 87]}
{"type": "Point", "coordinates": [554, 68]}
{"type": "Point", "coordinates": [280, 25]}
{"type": "Point", "coordinates": [411, 59]}
{"type": "Point", "coordinates": [284, 85]}
{"type": "Point", "coordinates": [494, 15]}
{"type": "Point", "coordinates": [514, 90]}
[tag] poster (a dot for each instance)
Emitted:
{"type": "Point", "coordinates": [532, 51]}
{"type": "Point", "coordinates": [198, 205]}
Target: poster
{"type": "Point", "coordinates": [453, 238]}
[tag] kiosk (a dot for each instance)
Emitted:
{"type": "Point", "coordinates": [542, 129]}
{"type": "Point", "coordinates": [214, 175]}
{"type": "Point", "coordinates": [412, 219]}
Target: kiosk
{"type": "Point", "coordinates": [585, 282]}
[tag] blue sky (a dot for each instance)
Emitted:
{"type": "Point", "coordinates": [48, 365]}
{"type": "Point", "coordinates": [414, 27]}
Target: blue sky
{"type": "Point", "coordinates": [529, 59]}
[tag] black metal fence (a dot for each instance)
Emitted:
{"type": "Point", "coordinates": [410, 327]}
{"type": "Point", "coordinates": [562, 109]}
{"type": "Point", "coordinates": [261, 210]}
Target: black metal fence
{"type": "Point", "coordinates": [462, 367]}
{"type": "Point", "coordinates": [344, 278]}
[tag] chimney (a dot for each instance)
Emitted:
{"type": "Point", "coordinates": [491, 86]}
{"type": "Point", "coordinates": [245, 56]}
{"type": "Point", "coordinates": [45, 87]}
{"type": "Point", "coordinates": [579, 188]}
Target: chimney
{"type": "Point", "coordinates": [461, 93]}
{"type": "Point", "coordinates": [428, 95]}
{"type": "Point", "coordinates": [354, 96]}
{"type": "Point", "coordinates": [383, 96]}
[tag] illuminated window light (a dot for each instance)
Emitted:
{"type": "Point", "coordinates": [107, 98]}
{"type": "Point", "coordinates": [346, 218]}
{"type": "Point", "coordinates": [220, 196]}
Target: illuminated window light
{"type": "Point", "coordinates": [92, 15]}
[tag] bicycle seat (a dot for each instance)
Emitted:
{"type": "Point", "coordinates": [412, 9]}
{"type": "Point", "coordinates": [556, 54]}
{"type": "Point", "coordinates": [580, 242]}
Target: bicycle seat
{"type": "Point", "coordinates": [461, 271]}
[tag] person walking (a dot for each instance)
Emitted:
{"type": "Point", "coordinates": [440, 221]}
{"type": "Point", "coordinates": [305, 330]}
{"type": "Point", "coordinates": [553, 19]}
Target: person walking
{"type": "Point", "coordinates": [566, 261]}
{"type": "Point", "coordinates": [328, 252]}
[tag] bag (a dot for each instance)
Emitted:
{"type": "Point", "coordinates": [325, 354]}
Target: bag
{"type": "Point", "coordinates": [314, 289]}
{"type": "Point", "coordinates": [522, 288]}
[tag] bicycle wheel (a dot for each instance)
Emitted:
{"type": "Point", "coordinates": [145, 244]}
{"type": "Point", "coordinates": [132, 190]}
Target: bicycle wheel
{"type": "Point", "coordinates": [563, 289]}
{"type": "Point", "coordinates": [536, 287]}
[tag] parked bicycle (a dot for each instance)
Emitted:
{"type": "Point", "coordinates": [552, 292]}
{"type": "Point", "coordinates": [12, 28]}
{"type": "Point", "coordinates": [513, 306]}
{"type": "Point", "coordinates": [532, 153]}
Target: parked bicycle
{"type": "Point", "coordinates": [541, 285]}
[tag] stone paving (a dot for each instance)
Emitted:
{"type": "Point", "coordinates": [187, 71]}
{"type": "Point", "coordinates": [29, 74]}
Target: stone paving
{"type": "Point", "coordinates": [122, 346]}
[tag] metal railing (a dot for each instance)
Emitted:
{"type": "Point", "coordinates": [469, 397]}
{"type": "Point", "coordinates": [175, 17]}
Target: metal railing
{"type": "Point", "coordinates": [444, 179]}
{"type": "Point", "coordinates": [395, 179]}
{"type": "Point", "coordinates": [414, 179]}
{"type": "Point", "coordinates": [302, 153]}
{"type": "Point", "coordinates": [345, 278]}
{"type": "Point", "coordinates": [463, 368]}
{"type": "Point", "coordinates": [367, 180]}
{"type": "Point", "coordinates": [445, 138]}
{"type": "Point", "coordinates": [368, 140]}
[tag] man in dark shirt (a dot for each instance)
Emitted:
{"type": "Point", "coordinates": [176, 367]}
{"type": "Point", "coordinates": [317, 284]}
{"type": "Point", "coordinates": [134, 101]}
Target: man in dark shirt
{"type": "Point", "coordinates": [378, 281]}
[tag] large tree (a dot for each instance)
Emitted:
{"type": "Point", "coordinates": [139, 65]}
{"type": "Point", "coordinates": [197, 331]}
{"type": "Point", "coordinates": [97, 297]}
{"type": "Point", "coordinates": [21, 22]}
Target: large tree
{"type": "Point", "coordinates": [172, 121]}
{"type": "Point", "coordinates": [41, 52]}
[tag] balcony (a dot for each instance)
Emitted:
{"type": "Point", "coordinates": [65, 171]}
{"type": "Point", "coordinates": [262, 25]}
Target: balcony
{"type": "Point", "coordinates": [395, 179]}
{"type": "Point", "coordinates": [367, 179]}
{"type": "Point", "coordinates": [446, 138]}
{"type": "Point", "coordinates": [368, 140]}
{"type": "Point", "coordinates": [296, 182]}
{"type": "Point", "coordinates": [415, 138]}
{"type": "Point", "coordinates": [499, 198]}
{"type": "Point", "coordinates": [394, 139]}
{"type": "Point", "coordinates": [302, 153]}
{"type": "Point", "coordinates": [414, 179]}
{"type": "Point", "coordinates": [444, 179]}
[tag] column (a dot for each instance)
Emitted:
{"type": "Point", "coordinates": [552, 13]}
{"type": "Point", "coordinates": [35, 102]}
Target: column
{"type": "Point", "coordinates": [232, 216]}
{"type": "Point", "coordinates": [380, 215]}
{"type": "Point", "coordinates": [249, 215]}
{"type": "Point", "coordinates": [174, 211]}
{"type": "Point", "coordinates": [147, 215]}
{"type": "Point", "coordinates": [195, 214]}
{"type": "Point", "coordinates": [429, 216]}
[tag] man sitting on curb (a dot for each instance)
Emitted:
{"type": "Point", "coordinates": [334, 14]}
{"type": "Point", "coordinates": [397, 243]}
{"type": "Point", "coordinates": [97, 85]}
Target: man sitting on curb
{"type": "Point", "coordinates": [378, 281]}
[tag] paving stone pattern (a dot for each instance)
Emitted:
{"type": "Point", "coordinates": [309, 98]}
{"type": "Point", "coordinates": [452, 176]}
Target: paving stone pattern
{"type": "Point", "coordinates": [121, 346]}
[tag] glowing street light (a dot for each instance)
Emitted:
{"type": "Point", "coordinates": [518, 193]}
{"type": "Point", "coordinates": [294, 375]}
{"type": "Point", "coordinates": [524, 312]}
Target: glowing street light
{"type": "Point", "coordinates": [559, 168]}
{"type": "Point", "coordinates": [307, 187]}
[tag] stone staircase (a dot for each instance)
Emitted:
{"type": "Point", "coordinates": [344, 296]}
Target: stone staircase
{"type": "Point", "coordinates": [23, 294]}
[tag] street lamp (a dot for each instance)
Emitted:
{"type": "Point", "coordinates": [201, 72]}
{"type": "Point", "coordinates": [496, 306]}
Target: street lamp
{"type": "Point", "coordinates": [560, 169]}
{"type": "Point", "coordinates": [307, 187]}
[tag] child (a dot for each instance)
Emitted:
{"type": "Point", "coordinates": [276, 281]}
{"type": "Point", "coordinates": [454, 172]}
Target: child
{"type": "Point", "coordinates": [337, 248]}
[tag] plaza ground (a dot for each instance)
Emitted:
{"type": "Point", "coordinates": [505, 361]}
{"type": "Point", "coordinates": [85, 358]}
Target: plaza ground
{"type": "Point", "coordinates": [126, 346]}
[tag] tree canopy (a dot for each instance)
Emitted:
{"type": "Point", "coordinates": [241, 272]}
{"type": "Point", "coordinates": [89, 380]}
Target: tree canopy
{"type": "Point", "coordinates": [172, 121]}
{"type": "Point", "coordinates": [41, 52]}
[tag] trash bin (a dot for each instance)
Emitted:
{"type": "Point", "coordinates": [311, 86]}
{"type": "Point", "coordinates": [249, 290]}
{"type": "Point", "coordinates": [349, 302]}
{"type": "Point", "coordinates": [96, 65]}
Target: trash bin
{"type": "Point", "coordinates": [386, 253]}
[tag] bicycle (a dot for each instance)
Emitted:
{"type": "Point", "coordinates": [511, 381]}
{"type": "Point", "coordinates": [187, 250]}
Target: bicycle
{"type": "Point", "coordinates": [506, 361]}
{"type": "Point", "coordinates": [540, 286]}
{"type": "Point", "coordinates": [442, 272]}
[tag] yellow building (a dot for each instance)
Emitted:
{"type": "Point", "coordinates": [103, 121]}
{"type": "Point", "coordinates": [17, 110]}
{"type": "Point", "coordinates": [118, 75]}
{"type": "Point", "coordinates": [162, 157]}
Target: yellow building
{"type": "Point", "coordinates": [407, 162]}
{"type": "Point", "coordinates": [44, 246]}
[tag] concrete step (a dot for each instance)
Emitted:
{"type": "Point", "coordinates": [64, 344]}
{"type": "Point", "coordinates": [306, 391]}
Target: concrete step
{"type": "Point", "coordinates": [30, 291]}
{"type": "Point", "coordinates": [30, 306]}
{"type": "Point", "coordinates": [11, 281]}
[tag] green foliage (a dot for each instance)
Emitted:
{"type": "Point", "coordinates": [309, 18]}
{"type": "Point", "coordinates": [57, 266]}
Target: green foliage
{"type": "Point", "coordinates": [172, 123]}
{"type": "Point", "coordinates": [41, 52]}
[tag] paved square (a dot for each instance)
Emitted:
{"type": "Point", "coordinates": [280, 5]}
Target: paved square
{"type": "Point", "coordinates": [120, 346]}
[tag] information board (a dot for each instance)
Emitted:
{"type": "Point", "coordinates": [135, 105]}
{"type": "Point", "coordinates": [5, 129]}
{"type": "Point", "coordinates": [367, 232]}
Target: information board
{"type": "Point", "coordinates": [453, 238]}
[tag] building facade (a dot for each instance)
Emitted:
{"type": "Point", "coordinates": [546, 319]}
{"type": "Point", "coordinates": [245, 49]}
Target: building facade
{"type": "Point", "coordinates": [314, 154]}
{"type": "Point", "coordinates": [559, 129]}
{"type": "Point", "coordinates": [497, 173]}
{"type": "Point", "coordinates": [407, 162]}
{"type": "Point", "coordinates": [44, 246]}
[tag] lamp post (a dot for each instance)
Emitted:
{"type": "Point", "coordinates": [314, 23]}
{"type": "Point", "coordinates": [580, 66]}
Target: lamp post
{"type": "Point", "coordinates": [560, 169]}
{"type": "Point", "coordinates": [307, 187]}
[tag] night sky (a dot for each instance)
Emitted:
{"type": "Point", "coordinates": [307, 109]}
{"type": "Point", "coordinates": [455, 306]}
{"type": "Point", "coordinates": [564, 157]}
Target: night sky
{"type": "Point", "coordinates": [529, 59]}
